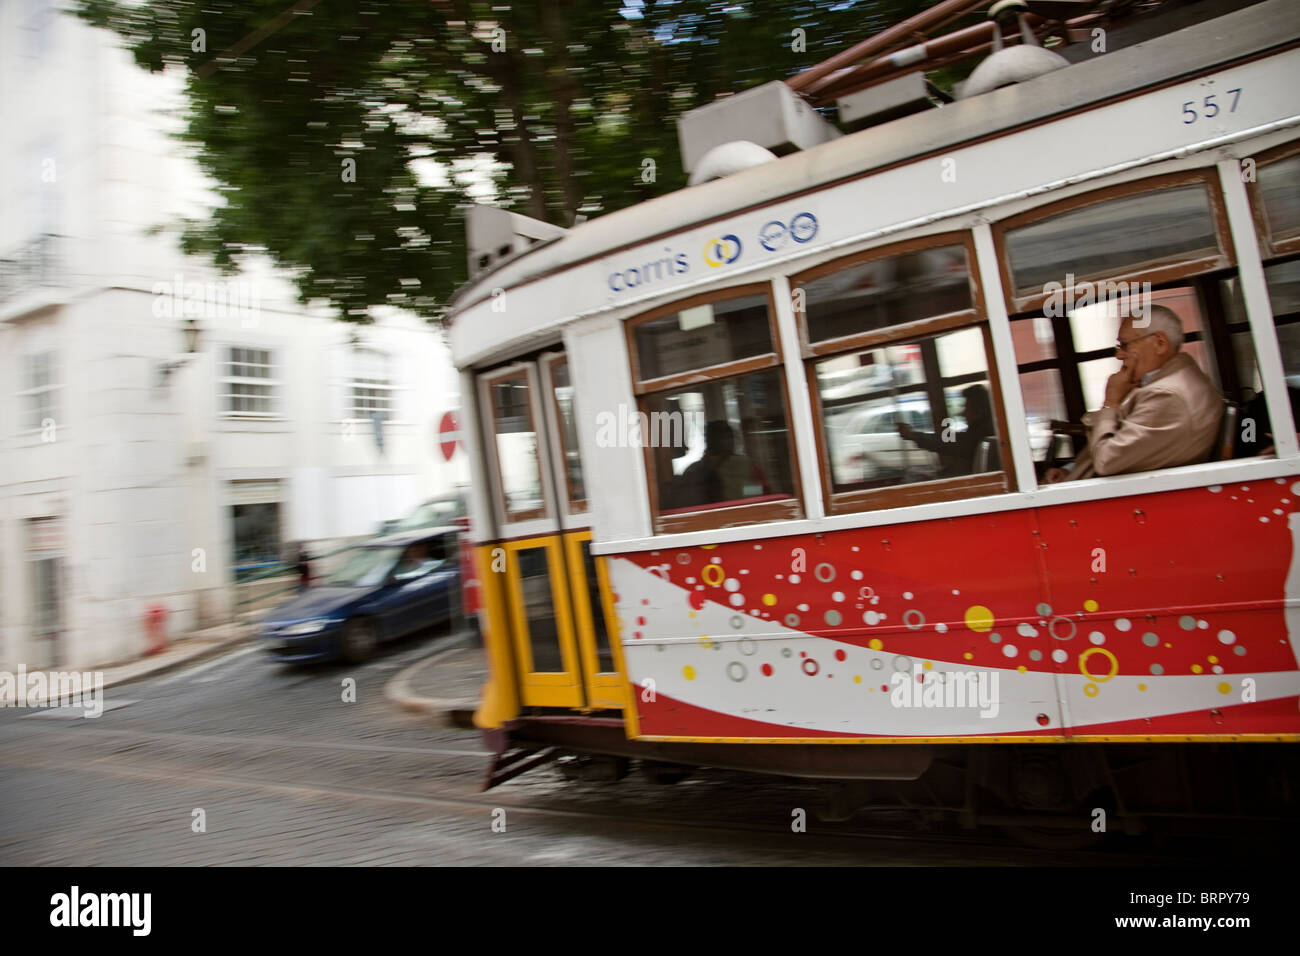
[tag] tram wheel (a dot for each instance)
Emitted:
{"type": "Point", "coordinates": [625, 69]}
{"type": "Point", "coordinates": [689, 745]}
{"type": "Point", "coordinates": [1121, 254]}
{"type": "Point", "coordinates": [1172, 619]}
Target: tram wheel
{"type": "Point", "coordinates": [1079, 835]}
{"type": "Point", "coordinates": [359, 640]}
{"type": "Point", "coordinates": [593, 768]}
{"type": "Point", "coordinates": [665, 774]}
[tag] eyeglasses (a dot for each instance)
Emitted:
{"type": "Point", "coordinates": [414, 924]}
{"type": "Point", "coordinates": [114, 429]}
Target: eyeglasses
{"type": "Point", "coordinates": [1125, 346]}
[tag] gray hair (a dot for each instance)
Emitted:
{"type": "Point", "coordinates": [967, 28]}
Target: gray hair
{"type": "Point", "coordinates": [1161, 318]}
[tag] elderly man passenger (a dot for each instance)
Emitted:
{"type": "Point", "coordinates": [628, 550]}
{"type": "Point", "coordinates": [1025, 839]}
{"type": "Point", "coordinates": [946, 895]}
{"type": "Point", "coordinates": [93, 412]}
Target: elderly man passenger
{"type": "Point", "coordinates": [1160, 410]}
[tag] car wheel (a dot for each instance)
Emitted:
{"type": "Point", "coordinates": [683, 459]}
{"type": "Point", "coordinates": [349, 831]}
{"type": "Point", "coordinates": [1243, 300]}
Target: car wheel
{"type": "Point", "coordinates": [359, 641]}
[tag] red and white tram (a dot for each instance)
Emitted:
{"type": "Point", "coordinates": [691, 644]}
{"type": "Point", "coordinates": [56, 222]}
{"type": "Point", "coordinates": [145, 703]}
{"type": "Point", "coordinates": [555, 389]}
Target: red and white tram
{"type": "Point", "coordinates": [703, 538]}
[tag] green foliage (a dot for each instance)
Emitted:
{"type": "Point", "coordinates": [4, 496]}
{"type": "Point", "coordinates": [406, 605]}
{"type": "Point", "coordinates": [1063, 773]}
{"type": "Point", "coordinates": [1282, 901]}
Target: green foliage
{"type": "Point", "coordinates": [554, 119]}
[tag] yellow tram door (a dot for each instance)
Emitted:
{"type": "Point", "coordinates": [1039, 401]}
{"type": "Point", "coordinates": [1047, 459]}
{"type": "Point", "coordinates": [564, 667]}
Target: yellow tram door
{"type": "Point", "coordinates": [555, 592]}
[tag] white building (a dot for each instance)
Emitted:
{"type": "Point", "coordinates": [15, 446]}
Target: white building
{"type": "Point", "coordinates": [133, 473]}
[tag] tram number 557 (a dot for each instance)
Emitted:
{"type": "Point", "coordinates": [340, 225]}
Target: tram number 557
{"type": "Point", "coordinates": [1209, 108]}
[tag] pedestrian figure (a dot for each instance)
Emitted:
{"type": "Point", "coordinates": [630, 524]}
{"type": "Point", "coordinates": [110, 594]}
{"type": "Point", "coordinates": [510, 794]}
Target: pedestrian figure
{"type": "Point", "coordinates": [304, 568]}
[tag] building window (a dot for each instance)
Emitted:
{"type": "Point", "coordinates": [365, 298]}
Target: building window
{"type": "Point", "coordinates": [39, 397]}
{"type": "Point", "coordinates": [45, 555]}
{"type": "Point", "coordinates": [371, 388]}
{"type": "Point", "coordinates": [708, 377]}
{"type": "Point", "coordinates": [255, 526]}
{"type": "Point", "coordinates": [248, 385]}
{"type": "Point", "coordinates": [899, 373]}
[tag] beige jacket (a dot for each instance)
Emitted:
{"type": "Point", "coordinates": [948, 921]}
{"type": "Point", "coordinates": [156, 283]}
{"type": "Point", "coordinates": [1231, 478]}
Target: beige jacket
{"type": "Point", "coordinates": [1172, 420]}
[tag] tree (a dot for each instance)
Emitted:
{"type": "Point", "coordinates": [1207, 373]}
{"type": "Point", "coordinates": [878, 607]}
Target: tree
{"type": "Point", "coordinates": [345, 136]}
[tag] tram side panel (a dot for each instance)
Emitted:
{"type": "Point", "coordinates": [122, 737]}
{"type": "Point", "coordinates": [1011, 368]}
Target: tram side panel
{"type": "Point", "coordinates": [988, 626]}
{"type": "Point", "coordinates": [1189, 632]}
{"type": "Point", "coordinates": [902, 631]}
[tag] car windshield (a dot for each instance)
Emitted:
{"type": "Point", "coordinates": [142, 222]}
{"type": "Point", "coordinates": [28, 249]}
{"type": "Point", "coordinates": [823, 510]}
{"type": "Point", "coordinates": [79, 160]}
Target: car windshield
{"type": "Point", "coordinates": [432, 514]}
{"type": "Point", "coordinates": [365, 568]}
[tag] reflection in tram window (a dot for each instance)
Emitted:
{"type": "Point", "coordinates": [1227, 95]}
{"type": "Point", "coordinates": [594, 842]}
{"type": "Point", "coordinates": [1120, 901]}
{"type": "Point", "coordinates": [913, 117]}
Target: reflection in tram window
{"type": "Point", "coordinates": [516, 447]}
{"type": "Point", "coordinates": [887, 291]}
{"type": "Point", "coordinates": [1111, 236]}
{"type": "Point", "coordinates": [898, 364]}
{"type": "Point", "coordinates": [703, 335]}
{"type": "Point", "coordinates": [886, 422]}
{"type": "Point", "coordinates": [539, 610]}
{"type": "Point", "coordinates": [568, 422]}
{"type": "Point", "coordinates": [740, 452]}
{"type": "Point", "coordinates": [712, 396]}
{"type": "Point", "coordinates": [1279, 192]}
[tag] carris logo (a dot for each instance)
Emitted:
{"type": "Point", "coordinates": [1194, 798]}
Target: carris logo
{"type": "Point", "coordinates": [722, 251]}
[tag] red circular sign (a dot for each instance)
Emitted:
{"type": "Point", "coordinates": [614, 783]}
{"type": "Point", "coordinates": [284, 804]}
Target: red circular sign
{"type": "Point", "coordinates": [449, 434]}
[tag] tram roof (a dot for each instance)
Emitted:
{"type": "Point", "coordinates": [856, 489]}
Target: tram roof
{"type": "Point", "coordinates": [1237, 35]}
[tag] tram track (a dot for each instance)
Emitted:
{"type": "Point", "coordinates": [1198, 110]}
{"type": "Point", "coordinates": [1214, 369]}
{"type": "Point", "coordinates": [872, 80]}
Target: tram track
{"type": "Point", "coordinates": [163, 757]}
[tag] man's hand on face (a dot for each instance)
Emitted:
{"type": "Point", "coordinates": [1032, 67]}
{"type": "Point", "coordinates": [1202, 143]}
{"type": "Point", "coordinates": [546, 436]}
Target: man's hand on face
{"type": "Point", "coordinates": [1119, 385]}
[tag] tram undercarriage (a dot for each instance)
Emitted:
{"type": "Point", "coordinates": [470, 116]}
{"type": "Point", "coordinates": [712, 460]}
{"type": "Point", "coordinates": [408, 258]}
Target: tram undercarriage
{"type": "Point", "coordinates": [1065, 796]}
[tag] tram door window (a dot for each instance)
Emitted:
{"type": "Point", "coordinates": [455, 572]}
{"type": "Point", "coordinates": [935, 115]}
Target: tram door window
{"type": "Point", "coordinates": [589, 591]}
{"type": "Point", "coordinates": [898, 357]}
{"type": "Point", "coordinates": [515, 434]}
{"type": "Point", "coordinates": [713, 411]}
{"type": "Point", "coordinates": [551, 596]}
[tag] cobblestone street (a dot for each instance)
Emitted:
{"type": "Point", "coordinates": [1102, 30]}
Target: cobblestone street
{"type": "Point", "coordinates": [285, 772]}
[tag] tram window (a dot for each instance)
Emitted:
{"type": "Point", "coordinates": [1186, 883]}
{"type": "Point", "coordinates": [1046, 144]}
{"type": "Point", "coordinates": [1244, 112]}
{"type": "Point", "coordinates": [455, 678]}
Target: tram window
{"type": "Point", "coordinates": [1283, 282]}
{"type": "Point", "coordinates": [1162, 228]}
{"type": "Point", "coordinates": [1044, 404]}
{"type": "Point", "coordinates": [735, 446]}
{"type": "Point", "coordinates": [1058, 390]}
{"type": "Point", "coordinates": [539, 609]}
{"type": "Point", "coordinates": [713, 409]}
{"type": "Point", "coordinates": [907, 412]}
{"type": "Point", "coordinates": [711, 333]}
{"type": "Point", "coordinates": [567, 418]}
{"type": "Point", "coordinates": [888, 291]}
{"type": "Point", "coordinates": [1279, 195]}
{"type": "Point", "coordinates": [1094, 327]}
{"type": "Point", "coordinates": [600, 627]}
{"type": "Point", "coordinates": [515, 438]}
{"type": "Point", "coordinates": [898, 368]}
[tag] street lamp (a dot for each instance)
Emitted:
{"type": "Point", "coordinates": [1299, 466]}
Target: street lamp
{"type": "Point", "coordinates": [192, 332]}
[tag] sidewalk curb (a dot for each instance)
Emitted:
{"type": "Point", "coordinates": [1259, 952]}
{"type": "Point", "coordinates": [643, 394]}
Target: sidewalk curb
{"type": "Point", "coordinates": [449, 713]}
{"type": "Point", "coordinates": [205, 651]}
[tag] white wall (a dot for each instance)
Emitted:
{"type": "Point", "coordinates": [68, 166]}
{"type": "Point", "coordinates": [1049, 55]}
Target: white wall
{"type": "Point", "coordinates": [140, 472]}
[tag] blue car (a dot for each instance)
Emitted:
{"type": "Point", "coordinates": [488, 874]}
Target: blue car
{"type": "Point", "coordinates": [386, 588]}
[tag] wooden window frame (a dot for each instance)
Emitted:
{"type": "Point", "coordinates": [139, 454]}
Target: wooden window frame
{"type": "Point", "coordinates": [485, 382]}
{"type": "Point", "coordinates": [918, 328]}
{"type": "Point", "coordinates": [1155, 271]}
{"type": "Point", "coordinates": [1270, 247]}
{"type": "Point", "coordinates": [713, 517]}
{"type": "Point", "coordinates": [921, 492]}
